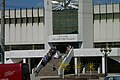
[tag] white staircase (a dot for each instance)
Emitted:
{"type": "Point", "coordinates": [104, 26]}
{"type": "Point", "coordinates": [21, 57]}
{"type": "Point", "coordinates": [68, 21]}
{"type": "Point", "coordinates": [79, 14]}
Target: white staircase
{"type": "Point", "coordinates": [65, 62]}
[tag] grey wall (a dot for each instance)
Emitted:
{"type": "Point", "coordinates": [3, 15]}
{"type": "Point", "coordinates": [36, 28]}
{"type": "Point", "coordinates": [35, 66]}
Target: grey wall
{"type": "Point", "coordinates": [85, 18]}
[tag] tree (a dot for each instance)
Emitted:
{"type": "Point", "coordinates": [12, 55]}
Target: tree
{"type": "Point", "coordinates": [79, 67]}
{"type": "Point", "coordinates": [90, 67]}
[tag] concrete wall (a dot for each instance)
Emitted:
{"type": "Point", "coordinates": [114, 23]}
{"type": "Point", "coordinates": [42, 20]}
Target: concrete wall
{"type": "Point", "coordinates": [23, 12]}
{"type": "Point", "coordinates": [48, 22]}
{"type": "Point", "coordinates": [85, 22]}
{"type": "Point", "coordinates": [24, 54]}
{"type": "Point", "coordinates": [90, 52]}
{"type": "Point", "coordinates": [25, 33]}
{"type": "Point", "coordinates": [107, 31]}
{"type": "Point", "coordinates": [109, 8]}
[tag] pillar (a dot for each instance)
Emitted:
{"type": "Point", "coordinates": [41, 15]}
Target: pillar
{"type": "Point", "coordinates": [98, 70]}
{"type": "Point", "coordinates": [24, 60]}
{"type": "Point", "coordinates": [48, 23]}
{"type": "Point", "coordinates": [29, 63]}
{"type": "Point", "coordinates": [103, 65]}
{"type": "Point", "coordinates": [75, 66]}
{"type": "Point", "coordinates": [83, 70]}
{"type": "Point", "coordinates": [85, 23]}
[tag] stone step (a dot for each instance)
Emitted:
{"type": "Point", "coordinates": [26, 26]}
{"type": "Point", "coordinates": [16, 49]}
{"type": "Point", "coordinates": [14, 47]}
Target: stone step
{"type": "Point", "coordinates": [47, 70]}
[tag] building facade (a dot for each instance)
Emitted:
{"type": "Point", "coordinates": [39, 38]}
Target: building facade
{"type": "Point", "coordinates": [30, 33]}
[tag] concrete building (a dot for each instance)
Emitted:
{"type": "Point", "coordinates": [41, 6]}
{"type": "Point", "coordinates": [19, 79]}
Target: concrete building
{"type": "Point", "coordinates": [30, 33]}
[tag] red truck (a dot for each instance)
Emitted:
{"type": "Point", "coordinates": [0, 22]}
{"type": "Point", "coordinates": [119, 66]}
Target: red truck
{"type": "Point", "coordinates": [17, 71]}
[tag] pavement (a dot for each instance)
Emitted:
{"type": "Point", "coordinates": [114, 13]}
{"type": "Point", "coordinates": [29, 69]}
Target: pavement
{"type": "Point", "coordinates": [33, 77]}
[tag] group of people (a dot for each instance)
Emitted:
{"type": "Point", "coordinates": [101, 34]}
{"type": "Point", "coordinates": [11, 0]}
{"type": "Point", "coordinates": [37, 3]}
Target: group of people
{"type": "Point", "coordinates": [68, 48]}
{"type": "Point", "coordinates": [53, 52]}
{"type": "Point", "coordinates": [48, 56]}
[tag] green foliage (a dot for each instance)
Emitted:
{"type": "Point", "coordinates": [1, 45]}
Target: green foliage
{"type": "Point", "coordinates": [80, 66]}
{"type": "Point", "coordinates": [90, 67]}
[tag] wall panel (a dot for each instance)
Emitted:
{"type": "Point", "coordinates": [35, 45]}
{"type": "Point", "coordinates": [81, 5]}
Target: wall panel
{"type": "Point", "coordinates": [35, 13]}
{"type": "Point", "coordinates": [41, 33]}
{"type": "Point", "coordinates": [18, 33]}
{"type": "Point", "coordinates": [109, 29]}
{"type": "Point", "coordinates": [6, 14]}
{"type": "Point", "coordinates": [17, 13]}
{"type": "Point", "coordinates": [7, 33]}
{"type": "Point", "coordinates": [41, 12]}
{"type": "Point", "coordinates": [24, 33]}
{"type": "Point", "coordinates": [96, 30]}
{"type": "Point", "coordinates": [103, 8]}
{"type": "Point", "coordinates": [116, 30]}
{"type": "Point", "coordinates": [35, 32]}
{"type": "Point", "coordinates": [12, 13]}
{"type": "Point", "coordinates": [29, 32]}
{"type": "Point", "coordinates": [12, 33]}
{"type": "Point", "coordinates": [23, 13]}
{"type": "Point", "coordinates": [103, 30]}
{"type": "Point", "coordinates": [116, 7]}
{"type": "Point", "coordinates": [29, 12]}
{"type": "Point", "coordinates": [109, 8]}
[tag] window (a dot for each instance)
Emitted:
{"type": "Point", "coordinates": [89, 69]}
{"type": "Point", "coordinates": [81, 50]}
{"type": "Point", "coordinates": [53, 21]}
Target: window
{"type": "Point", "coordinates": [24, 47]}
{"type": "Point", "coordinates": [96, 16]}
{"type": "Point", "coordinates": [65, 21]}
{"type": "Point", "coordinates": [109, 44]}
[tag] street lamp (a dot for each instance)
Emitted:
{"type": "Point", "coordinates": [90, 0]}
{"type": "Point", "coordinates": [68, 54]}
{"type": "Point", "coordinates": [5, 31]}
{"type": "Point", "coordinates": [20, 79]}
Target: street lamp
{"type": "Point", "coordinates": [105, 52]}
{"type": "Point", "coordinates": [2, 35]}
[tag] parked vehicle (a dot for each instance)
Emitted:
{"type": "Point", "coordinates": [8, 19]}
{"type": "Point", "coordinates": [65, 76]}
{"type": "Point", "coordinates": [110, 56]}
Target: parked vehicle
{"type": "Point", "coordinates": [114, 77]}
{"type": "Point", "coordinates": [17, 71]}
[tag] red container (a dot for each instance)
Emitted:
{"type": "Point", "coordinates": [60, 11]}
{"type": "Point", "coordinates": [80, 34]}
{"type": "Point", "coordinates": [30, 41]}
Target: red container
{"type": "Point", "coordinates": [18, 71]}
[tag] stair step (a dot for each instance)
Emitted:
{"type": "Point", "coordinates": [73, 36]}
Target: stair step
{"type": "Point", "coordinates": [47, 69]}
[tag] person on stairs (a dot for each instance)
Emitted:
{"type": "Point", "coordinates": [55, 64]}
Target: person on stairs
{"type": "Point", "coordinates": [53, 67]}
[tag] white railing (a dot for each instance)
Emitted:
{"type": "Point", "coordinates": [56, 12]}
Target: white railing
{"type": "Point", "coordinates": [65, 62]}
{"type": "Point", "coordinates": [39, 66]}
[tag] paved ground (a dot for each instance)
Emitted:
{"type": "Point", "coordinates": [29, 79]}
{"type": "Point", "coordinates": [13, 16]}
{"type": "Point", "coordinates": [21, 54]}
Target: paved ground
{"type": "Point", "coordinates": [33, 77]}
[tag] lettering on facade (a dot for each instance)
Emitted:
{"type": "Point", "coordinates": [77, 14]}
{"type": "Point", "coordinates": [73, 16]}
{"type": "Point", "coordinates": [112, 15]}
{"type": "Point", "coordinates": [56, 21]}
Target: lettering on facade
{"type": "Point", "coordinates": [63, 38]}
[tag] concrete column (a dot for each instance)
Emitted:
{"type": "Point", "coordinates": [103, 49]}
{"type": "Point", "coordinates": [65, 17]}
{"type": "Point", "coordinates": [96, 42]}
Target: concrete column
{"type": "Point", "coordinates": [24, 60]}
{"type": "Point", "coordinates": [75, 66]}
{"type": "Point", "coordinates": [48, 22]}
{"type": "Point", "coordinates": [85, 23]}
{"type": "Point", "coordinates": [103, 65]}
{"type": "Point", "coordinates": [29, 63]}
{"type": "Point", "coordinates": [98, 70]}
{"type": "Point", "coordinates": [83, 70]}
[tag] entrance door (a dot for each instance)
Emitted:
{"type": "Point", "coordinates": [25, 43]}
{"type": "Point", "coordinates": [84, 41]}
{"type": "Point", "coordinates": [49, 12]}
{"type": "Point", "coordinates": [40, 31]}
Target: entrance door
{"type": "Point", "coordinates": [61, 47]}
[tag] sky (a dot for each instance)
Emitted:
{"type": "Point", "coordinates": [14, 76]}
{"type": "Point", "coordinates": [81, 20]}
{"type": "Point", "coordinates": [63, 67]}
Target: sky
{"type": "Point", "coordinates": [16, 4]}
{"type": "Point", "coordinates": [12, 4]}
{"type": "Point", "coordinates": [106, 1]}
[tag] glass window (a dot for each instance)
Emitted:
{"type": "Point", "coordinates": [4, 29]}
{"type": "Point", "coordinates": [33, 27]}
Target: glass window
{"type": "Point", "coordinates": [7, 21]}
{"type": "Point", "coordinates": [103, 16]}
{"type": "Point", "coordinates": [23, 20]}
{"type": "Point", "coordinates": [12, 20]}
{"type": "Point", "coordinates": [65, 21]}
{"type": "Point", "coordinates": [96, 16]}
{"type": "Point", "coordinates": [35, 20]}
{"type": "Point", "coordinates": [29, 19]}
{"type": "Point", "coordinates": [18, 20]}
{"type": "Point", "coordinates": [41, 19]}
{"type": "Point", "coordinates": [116, 16]}
{"type": "Point", "coordinates": [24, 47]}
{"type": "Point", "coordinates": [109, 16]}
